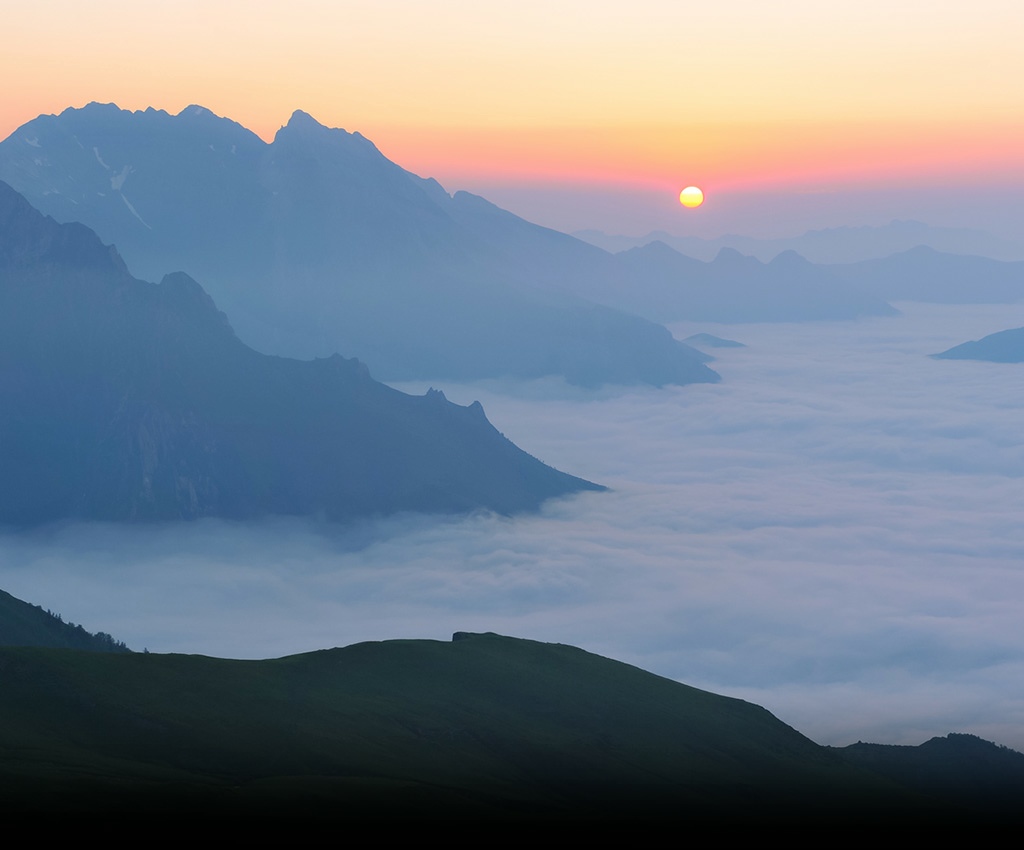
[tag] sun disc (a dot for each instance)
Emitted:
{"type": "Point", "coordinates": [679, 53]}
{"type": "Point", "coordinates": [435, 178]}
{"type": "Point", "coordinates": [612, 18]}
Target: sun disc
{"type": "Point", "coordinates": [691, 197]}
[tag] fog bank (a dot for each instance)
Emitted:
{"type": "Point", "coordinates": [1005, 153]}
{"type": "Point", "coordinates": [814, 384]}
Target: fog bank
{"type": "Point", "coordinates": [833, 532]}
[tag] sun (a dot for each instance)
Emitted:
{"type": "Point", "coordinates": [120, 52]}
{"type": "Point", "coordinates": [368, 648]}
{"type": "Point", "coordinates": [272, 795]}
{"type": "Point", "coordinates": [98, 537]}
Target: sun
{"type": "Point", "coordinates": [691, 197]}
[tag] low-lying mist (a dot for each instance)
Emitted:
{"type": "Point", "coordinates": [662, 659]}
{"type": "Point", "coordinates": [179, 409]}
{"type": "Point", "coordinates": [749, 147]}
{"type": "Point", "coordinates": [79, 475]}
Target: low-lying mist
{"type": "Point", "coordinates": [833, 532]}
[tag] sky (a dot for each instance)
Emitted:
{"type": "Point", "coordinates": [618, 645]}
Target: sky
{"type": "Point", "coordinates": [576, 114]}
{"type": "Point", "coordinates": [832, 532]}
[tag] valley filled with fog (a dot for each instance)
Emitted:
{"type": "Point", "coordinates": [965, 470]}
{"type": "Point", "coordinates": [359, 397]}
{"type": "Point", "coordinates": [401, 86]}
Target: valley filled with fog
{"type": "Point", "coordinates": [833, 532]}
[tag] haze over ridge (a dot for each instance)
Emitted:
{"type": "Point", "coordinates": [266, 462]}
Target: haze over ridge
{"type": "Point", "coordinates": [317, 244]}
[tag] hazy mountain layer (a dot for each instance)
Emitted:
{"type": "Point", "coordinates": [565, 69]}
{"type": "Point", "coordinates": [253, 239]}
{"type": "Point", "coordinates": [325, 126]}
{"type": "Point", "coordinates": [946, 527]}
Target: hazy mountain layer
{"type": "Point", "coordinates": [124, 400]}
{"type": "Point", "coordinates": [963, 770]}
{"type": "Point", "coordinates": [923, 274]}
{"type": "Point", "coordinates": [1001, 347]}
{"type": "Point", "coordinates": [317, 244]}
{"type": "Point", "coordinates": [829, 245]}
{"type": "Point", "coordinates": [735, 288]}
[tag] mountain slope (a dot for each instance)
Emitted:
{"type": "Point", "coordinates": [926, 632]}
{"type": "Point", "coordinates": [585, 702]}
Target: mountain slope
{"type": "Point", "coordinates": [22, 624]}
{"type": "Point", "coordinates": [483, 726]}
{"type": "Point", "coordinates": [1001, 347]}
{"type": "Point", "coordinates": [126, 400]}
{"type": "Point", "coordinates": [963, 770]}
{"type": "Point", "coordinates": [318, 243]}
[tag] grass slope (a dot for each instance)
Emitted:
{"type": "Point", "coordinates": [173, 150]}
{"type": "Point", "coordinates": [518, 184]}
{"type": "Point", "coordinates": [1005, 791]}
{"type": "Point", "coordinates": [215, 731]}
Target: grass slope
{"type": "Point", "coordinates": [484, 726]}
{"type": "Point", "coordinates": [960, 769]}
{"type": "Point", "coordinates": [22, 624]}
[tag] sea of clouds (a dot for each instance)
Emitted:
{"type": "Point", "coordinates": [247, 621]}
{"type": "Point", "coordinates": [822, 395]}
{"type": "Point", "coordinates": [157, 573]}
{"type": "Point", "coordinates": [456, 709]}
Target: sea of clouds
{"type": "Point", "coordinates": [834, 532]}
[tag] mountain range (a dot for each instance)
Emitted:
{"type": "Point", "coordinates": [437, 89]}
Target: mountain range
{"type": "Point", "coordinates": [126, 400]}
{"type": "Point", "coordinates": [665, 285]}
{"type": "Point", "coordinates": [832, 245]}
{"type": "Point", "coordinates": [316, 243]}
{"type": "Point", "coordinates": [736, 288]}
{"type": "Point", "coordinates": [924, 274]}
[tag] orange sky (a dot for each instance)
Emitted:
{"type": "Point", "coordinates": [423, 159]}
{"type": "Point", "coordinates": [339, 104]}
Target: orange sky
{"type": "Point", "coordinates": [747, 96]}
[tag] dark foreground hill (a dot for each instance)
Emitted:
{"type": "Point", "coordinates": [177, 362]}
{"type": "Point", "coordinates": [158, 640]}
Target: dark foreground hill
{"type": "Point", "coordinates": [485, 727]}
{"type": "Point", "coordinates": [1001, 347]}
{"type": "Point", "coordinates": [317, 243]}
{"type": "Point", "coordinates": [125, 400]}
{"type": "Point", "coordinates": [962, 770]}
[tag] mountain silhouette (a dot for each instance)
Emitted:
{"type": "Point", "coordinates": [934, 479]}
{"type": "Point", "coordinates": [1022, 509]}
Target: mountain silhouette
{"type": "Point", "coordinates": [924, 274]}
{"type": "Point", "coordinates": [482, 728]}
{"type": "Point", "coordinates": [317, 243]}
{"type": "Point", "coordinates": [737, 288]}
{"type": "Point", "coordinates": [126, 400]}
{"type": "Point", "coordinates": [828, 245]}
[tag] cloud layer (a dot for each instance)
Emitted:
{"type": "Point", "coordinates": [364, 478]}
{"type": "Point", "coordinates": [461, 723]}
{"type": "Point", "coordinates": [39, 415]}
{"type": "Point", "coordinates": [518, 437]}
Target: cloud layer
{"type": "Point", "coordinates": [833, 532]}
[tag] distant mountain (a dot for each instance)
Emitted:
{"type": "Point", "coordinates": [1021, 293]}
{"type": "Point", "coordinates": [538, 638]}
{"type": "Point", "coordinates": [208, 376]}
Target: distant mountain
{"type": "Point", "coordinates": [923, 274]}
{"type": "Point", "coordinates": [22, 624]}
{"type": "Point", "coordinates": [1001, 347]}
{"type": "Point", "coordinates": [124, 400]}
{"type": "Point", "coordinates": [830, 245]}
{"type": "Point", "coordinates": [317, 243]}
{"type": "Point", "coordinates": [484, 728]}
{"type": "Point", "coordinates": [703, 340]}
{"type": "Point", "coordinates": [669, 286]}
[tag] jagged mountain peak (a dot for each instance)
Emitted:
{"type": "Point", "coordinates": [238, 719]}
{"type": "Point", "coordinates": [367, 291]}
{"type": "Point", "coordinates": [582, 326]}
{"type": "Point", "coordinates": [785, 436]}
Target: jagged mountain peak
{"type": "Point", "coordinates": [304, 128]}
{"type": "Point", "coordinates": [300, 117]}
{"type": "Point", "coordinates": [97, 107]}
{"type": "Point", "coordinates": [194, 110]}
{"type": "Point", "coordinates": [304, 123]}
{"type": "Point", "coordinates": [301, 120]}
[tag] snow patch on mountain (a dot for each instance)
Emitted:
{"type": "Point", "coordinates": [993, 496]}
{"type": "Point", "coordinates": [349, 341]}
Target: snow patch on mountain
{"type": "Point", "coordinates": [134, 212]}
{"type": "Point", "coordinates": [117, 181]}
